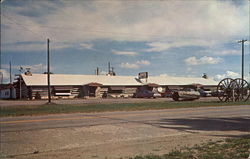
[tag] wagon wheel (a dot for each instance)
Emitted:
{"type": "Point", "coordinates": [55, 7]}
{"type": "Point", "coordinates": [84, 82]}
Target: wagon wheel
{"type": "Point", "coordinates": [243, 89]}
{"type": "Point", "coordinates": [224, 90]}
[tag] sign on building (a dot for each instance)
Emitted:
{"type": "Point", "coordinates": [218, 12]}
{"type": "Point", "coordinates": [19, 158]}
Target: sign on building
{"type": "Point", "coordinates": [143, 75]}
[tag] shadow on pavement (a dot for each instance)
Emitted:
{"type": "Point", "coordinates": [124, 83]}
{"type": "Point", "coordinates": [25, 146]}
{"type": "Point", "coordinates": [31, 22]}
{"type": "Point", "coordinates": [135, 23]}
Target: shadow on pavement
{"type": "Point", "coordinates": [206, 124]}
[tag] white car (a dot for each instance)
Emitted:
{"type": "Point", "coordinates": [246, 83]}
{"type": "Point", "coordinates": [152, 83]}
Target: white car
{"type": "Point", "coordinates": [157, 95]}
{"type": "Point", "coordinates": [186, 94]}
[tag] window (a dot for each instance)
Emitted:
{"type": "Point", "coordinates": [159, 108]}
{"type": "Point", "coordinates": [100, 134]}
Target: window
{"type": "Point", "coordinates": [62, 92]}
{"type": "Point", "coordinates": [7, 93]}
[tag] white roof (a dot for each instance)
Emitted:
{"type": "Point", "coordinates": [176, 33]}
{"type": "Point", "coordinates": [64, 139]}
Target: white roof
{"type": "Point", "coordinates": [169, 80]}
{"type": "Point", "coordinates": [72, 80]}
{"type": "Point", "coordinates": [76, 80]}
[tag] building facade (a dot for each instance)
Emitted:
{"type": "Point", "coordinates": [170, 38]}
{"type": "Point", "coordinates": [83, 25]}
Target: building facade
{"type": "Point", "coordinates": [7, 91]}
{"type": "Point", "coordinates": [34, 86]}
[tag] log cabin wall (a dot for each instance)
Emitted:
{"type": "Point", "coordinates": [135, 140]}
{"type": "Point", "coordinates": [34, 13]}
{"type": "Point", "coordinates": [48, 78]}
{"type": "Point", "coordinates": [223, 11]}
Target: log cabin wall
{"type": "Point", "coordinates": [38, 92]}
{"type": "Point", "coordinates": [24, 91]}
{"type": "Point", "coordinates": [121, 91]}
{"type": "Point", "coordinates": [41, 92]}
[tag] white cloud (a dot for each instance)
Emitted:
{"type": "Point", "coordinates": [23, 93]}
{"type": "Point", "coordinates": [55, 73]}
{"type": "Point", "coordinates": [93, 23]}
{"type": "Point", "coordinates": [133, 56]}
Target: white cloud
{"type": "Point", "coordinates": [135, 65]}
{"type": "Point", "coordinates": [232, 74]}
{"type": "Point", "coordinates": [164, 75]}
{"type": "Point", "coordinates": [149, 21]}
{"type": "Point", "coordinates": [228, 74]}
{"type": "Point", "coordinates": [228, 52]}
{"type": "Point", "coordinates": [26, 47]}
{"type": "Point", "coordinates": [222, 52]}
{"type": "Point", "coordinates": [143, 62]}
{"type": "Point", "coordinates": [157, 47]}
{"type": "Point", "coordinates": [5, 74]}
{"type": "Point", "coordinates": [55, 46]}
{"type": "Point", "coordinates": [203, 60]}
{"type": "Point", "coordinates": [160, 46]}
{"type": "Point", "coordinates": [189, 69]}
{"type": "Point", "coordinates": [129, 65]}
{"type": "Point", "coordinates": [87, 46]}
{"type": "Point", "coordinates": [128, 53]}
{"type": "Point", "coordinates": [38, 68]}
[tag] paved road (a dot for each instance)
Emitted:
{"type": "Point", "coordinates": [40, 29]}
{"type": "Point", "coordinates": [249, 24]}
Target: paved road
{"type": "Point", "coordinates": [52, 135]}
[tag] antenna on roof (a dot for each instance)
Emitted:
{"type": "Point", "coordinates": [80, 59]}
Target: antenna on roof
{"type": "Point", "coordinates": [113, 72]}
{"type": "Point", "coordinates": [10, 75]}
{"type": "Point", "coordinates": [205, 76]}
{"type": "Point", "coordinates": [109, 68]}
{"type": "Point", "coordinates": [21, 70]}
{"type": "Point", "coordinates": [97, 71]}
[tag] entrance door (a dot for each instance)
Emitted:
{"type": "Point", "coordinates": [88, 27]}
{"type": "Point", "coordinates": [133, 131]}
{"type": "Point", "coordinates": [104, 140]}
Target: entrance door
{"type": "Point", "coordinates": [92, 91]}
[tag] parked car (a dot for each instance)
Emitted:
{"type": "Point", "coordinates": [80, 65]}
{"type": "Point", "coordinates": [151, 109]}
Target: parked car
{"type": "Point", "coordinates": [216, 93]}
{"type": "Point", "coordinates": [209, 93]}
{"type": "Point", "coordinates": [156, 95]}
{"type": "Point", "coordinates": [168, 93]}
{"type": "Point", "coordinates": [186, 94]}
{"type": "Point", "coordinates": [202, 93]}
{"type": "Point", "coordinates": [146, 94]}
{"type": "Point", "coordinates": [205, 93]}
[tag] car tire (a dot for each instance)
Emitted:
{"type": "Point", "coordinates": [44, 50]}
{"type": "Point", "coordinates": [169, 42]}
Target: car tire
{"type": "Point", "coordinates": [176, 96]}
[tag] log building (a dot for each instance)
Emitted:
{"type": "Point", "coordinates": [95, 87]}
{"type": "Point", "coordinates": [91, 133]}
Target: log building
{"type": "Point", "coordinates": [34, 86]}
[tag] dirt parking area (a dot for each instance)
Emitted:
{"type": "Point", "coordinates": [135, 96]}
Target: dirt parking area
{"type": "Point", "coordinates": [98, 144]}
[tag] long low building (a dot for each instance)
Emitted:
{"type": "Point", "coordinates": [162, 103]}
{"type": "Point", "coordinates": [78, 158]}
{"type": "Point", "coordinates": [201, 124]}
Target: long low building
{"type": "Point", "coordinates": [34, 86]}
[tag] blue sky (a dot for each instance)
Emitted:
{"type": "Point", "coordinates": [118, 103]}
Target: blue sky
{"type": "Point", "coordinates": [176, 38]}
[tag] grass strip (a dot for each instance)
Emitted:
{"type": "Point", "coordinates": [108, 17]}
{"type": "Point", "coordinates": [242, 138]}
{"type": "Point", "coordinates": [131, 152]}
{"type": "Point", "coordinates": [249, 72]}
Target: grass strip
{"type": "Point", "coordinates": [86, 108]}
{"type": "Point", "coordinates": [232, 148]}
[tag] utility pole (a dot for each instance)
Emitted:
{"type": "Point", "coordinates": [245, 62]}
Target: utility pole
{"type": "Point", "coordinates": [1, 74]}
{"type": "Point", "coordinates": [10, 82]}
{"type": "Point", "coordinates": [242, 67]}
{"type": "Point", "coordinates": [109, 68]}
{"type": "Point", "coordinates": [20, 82]}
{"type": "Point", "coordinates": [48, 72]}
{"type": "Point", "coordinates": [10, 74]}
{"type": "Point", "coordinates": [242, 63]}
